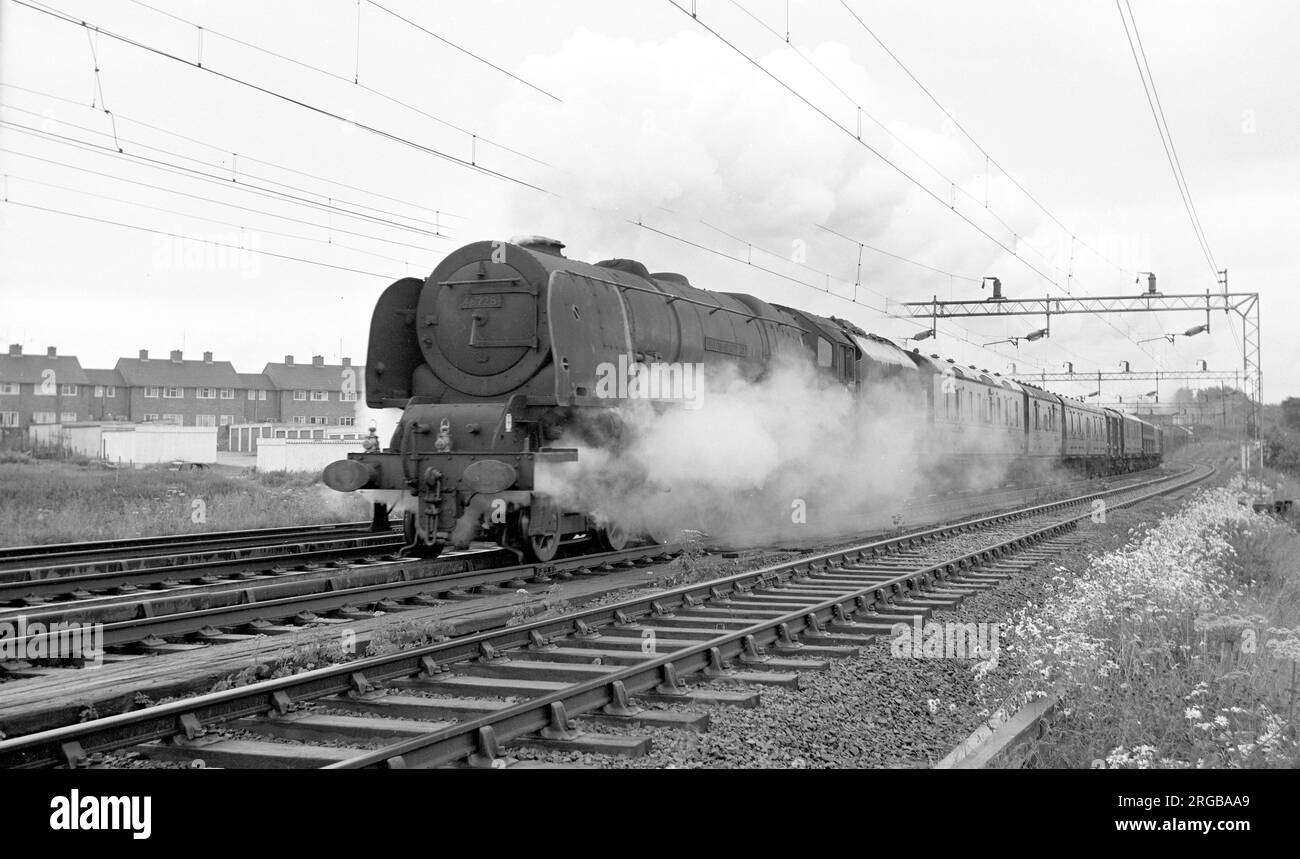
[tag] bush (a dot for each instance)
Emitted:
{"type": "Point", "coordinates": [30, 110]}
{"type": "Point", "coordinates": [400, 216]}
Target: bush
{"type": "Point", "coordinates": [1178, 650]}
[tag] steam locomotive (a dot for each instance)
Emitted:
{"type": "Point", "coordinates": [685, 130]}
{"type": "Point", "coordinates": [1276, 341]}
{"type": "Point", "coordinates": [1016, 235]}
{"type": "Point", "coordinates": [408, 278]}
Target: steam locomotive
{"type": "Point", "coordinates": [500, 351]}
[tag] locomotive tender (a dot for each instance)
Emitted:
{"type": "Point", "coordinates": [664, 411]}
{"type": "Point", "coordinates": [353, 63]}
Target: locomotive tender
{"type": "Point", "coordinates": [500, 351]}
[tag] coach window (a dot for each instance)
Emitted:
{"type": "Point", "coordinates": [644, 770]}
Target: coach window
{"type": "Point", "coordinates": [825, 356]}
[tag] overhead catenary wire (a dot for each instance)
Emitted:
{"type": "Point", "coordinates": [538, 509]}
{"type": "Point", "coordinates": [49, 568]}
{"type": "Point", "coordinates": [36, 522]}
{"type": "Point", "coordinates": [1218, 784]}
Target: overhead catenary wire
{"type": "Point", "coordinates": [203, 198]}
{"type": "Point", "coordinates": [479, 138]}
{"type": "Point", "coordinates": [1070, 276]}
{"type": "Point", "coordinates": [191, 173]}
{"type": "Point", "coordinates": [425, 207]}
{"type": "Point", "coordinates": [211, 220]}
{"type": "Point", "coordinates": [235, 183]}
{"type": "Point", "coordinates": [885, 159]}
{"type": "Point", "coordinates": [381, 133]}
{"type": "Point", "coordinates": [955, 186]}
{"type": "Point", "coordinates": [273, 93]}
{"type": "Point", "coordinates": [12, 202]}
{"type": "Point", "coordinates": [989, 158]}
{"type": "Point", "coordinates": [44, 8]}
{"type": "Point", "coordinates": [883, 312]}
{"type": "Point", "coordinates": [1162, 128]}
{"type": "Point", "coordinates": [465, 51]}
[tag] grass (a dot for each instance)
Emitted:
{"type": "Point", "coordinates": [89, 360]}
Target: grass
{"type": "Point", "coordinates": [404, 634]}
{"type": "Point", "coordinates": [1179, 650]}
{"type": "Point", "coordinates": [47, 501]}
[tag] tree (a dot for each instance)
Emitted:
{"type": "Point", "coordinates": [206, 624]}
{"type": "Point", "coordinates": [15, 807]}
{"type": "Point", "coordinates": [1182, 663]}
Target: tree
{"type": "Point", "coordinates": [1291, 412]}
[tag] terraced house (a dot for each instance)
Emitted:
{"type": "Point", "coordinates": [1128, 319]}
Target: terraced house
{"type": "Point", "coordinates": [55, 389]}
{"type": "Point", "coordinates": [179, 391]}
{"type": "Point", "coordinates": [319, 393]}
{"type": "Point", "coordinates": [41, 389]}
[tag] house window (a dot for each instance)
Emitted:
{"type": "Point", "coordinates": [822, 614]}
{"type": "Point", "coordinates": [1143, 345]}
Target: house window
{"type": "Point", "coordinates": [68, 417]}
{"type": "Point", "coordinates": [99, 391]}
{"type": "Point", "coordinates": [150, 418]}
{"type": "Point", "coordinates": [205, 420]}
{"type": "Point", "coordinates": [227, 393]}
{"type": "Point", "coordinates": [252, 394]}
{"type": "Point", "coordinates": [173, 393]}
{"type": "Point", "coordinates": [205, 393]}
{"type": "Point", "coordinates": [8, 387]}
{"type": "Point", "coordinates": [112, 390]}
{"type": "Point", "coordinates": [152, 393]}
{"type": "Point", "coordinates": [318, 420]}
{"type": "Point", "coordinates": [300, 395]}
{"type": "Point", "coordinates": [347, 422]}
{"type": "Point", "coordinates": [319, 396]}
{"type": "Point", "coordinates": [8, 419]}
{"type": "Point", "coordinates": [44, 417]}
{"type": "Point", "coordinates": [178, 420]}
{"type": "Point", "coordinates": [68, 390]}
{"type": "Point", "coordinates": [261, 395]}
{"type": "Point", "coordinates": [299, 419]}
{"type": "Point", "coordinates": [347, 396]}
{"type": "Point", "coordinates": [227, 420]}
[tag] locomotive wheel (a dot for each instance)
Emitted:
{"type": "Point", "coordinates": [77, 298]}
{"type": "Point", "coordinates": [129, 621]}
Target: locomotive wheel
{"type": "Point", "coordinates": [543, 547]}
{"type": "Point", "coordinates": [612, 538]}
{"type": "Point", "coordinates": [414, 545]}
{"type": "Point", "coordinates": [539, 548]}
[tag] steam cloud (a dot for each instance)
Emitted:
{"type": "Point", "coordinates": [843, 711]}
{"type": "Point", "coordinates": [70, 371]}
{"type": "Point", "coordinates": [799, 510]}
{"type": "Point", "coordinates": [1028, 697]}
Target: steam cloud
{"type": "Point", "coordinates": [684, 134]}
{"type": "Point", "coordinates": [682, 131]}
{"type": "Point", "coordinates": [744, 467]}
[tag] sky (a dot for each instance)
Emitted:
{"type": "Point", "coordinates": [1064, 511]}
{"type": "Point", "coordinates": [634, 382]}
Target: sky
{"type": "Point", "coordinates": [256, 183]}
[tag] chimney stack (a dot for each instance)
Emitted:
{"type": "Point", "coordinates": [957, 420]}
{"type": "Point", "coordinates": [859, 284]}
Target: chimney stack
{"type": "Point", "coordinates": [15, 350]}
{"type": "Point", "coordinates": [347, 362]}
{"type": "Point", "coordinates": [207, 357]}
{"type": "Point", "coordinates": [144, 354]}
{"type": "Point", "coordinates": [288, 360]}
{"type": "Point", "coordinates": [51, 352]}
{"type": "Point", "coordinates": [318, 360]}
{"type": "Point", "coordinates": [176, 356]}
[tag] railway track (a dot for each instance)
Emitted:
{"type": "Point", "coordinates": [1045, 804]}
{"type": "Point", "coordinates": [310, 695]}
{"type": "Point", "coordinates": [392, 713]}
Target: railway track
{"type": "Point", "coordinates": [334, 590]}
{"type": "Point", "coordinates": [107, 552]}
{"type": "Point", "coordinates": [461, 702]}
{"type": "Point", "coordinates": [150, 597]}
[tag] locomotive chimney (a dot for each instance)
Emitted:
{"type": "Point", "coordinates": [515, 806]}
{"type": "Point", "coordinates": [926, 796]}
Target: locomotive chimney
{"type": "Point", "coordinates": [540, 244]}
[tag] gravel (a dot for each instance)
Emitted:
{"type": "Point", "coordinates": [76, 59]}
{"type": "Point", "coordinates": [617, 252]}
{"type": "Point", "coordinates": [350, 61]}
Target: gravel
{"type": "Point", "coordinates": [873, 710]}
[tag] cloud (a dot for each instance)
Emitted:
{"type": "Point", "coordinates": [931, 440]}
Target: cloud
{"type": "Point", "coordinates": [683, 131]}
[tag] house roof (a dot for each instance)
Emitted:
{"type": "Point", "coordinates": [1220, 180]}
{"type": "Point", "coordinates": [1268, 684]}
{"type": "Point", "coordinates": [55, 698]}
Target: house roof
{"type": "Point", "coordinates": [253, 381]}
{"type": "Point", "coordinates": [30, 369]}
{"type": "Point", "coordinates": [105, 377]}
{"type": "Point", "coordinates": [164, 371]}
{"type": "Point", "coordinates": [299, 377]}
